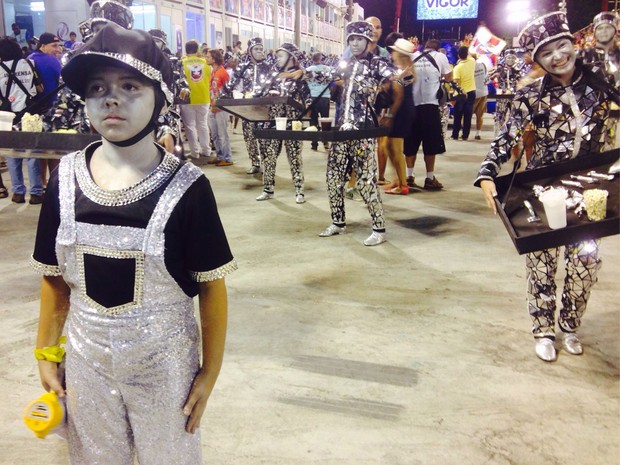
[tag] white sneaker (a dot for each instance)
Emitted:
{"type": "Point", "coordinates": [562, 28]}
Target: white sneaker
{"type": "Point", "coordinates": [253, 170]}
{"type": "Point", "coordinates": [571, 344]}
{"type": "Point", "coordinates": [375, 238]}
{"type": "Point", "coordinates": [333, 230]}
{"type": "Point", "coordinates": [352, 193]}
{"type": "Point", "coordinates": [299, 198]}
{"type": "Point", "coordinates": [545, 350]}
{"type": "Point", "coordinates": [265, 196]}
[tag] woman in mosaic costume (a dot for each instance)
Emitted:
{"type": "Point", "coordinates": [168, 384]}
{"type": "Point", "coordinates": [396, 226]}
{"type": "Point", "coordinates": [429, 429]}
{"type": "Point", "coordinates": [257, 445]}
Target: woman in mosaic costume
{"type": "Point", "coordinates": [359, 77]}
{"type": "Point", "coordinates": [511, 68]}
{"type": "Point", "coordinates": [285, 80]}
{"type": "Point", "coordinates": [128, 235]}
{"type": "Point", "coordinates": [248, 78]}
{"type": "Point", "coordinates": [568, 108]}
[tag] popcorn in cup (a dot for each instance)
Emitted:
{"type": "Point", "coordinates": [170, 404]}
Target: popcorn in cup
{"type": "Point", "coordinates": [596, 203]}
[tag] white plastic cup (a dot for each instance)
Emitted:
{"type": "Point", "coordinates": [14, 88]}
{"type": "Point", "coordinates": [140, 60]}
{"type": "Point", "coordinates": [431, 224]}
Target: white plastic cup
{"type": "Point", "coordinates": [236, 94]}
{"type": "Point", "coordinates": [554, 201]}
{"type": "Point", "coordinates": [281, 124]}
{"type": "Point", "coordinates": [6, 120]}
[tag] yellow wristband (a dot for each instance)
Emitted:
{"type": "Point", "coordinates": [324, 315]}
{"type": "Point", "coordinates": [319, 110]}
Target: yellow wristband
{"type": "Point", "coordinates": [51, 353]}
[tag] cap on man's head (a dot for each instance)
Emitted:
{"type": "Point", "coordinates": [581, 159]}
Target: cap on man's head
{"type": "Point", "coordinates": [543, 30]}
{"type": "Point", "coordinates": [360, 29]}
{"type": "Point", "coordinates": [48, 38]}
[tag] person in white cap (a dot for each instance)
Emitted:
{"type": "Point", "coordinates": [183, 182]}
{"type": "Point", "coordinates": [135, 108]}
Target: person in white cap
{"type": "Point", "coordinates": [568, 109]}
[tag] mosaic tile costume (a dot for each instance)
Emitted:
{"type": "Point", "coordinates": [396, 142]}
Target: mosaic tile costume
{"type": "Point", "coordinates": [249, 77]}
{"type": "Point", "coordinates": [508, 73]}
{"type": "Point", "coordinates": [360, 79]}
{"type": "Point", "coordinates": [568, 122]}
{"type": "Point", "coordinates": [284, 87]}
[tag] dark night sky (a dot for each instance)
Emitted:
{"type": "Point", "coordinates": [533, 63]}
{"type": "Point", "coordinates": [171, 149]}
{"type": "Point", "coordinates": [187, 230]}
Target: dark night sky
{"type": "Point", "coordinates": [492, 12]}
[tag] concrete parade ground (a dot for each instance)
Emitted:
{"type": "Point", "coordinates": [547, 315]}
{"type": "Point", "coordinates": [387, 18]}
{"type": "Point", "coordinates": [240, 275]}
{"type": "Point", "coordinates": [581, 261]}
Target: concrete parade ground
{"type": "Point", "coordinates": [414, 352]}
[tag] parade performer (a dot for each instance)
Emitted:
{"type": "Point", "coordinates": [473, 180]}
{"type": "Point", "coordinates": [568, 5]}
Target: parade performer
{"type": "Point", "coordinates": [248, 78]}
{"type": "Point", "coordinates": [605, 55]}
{"type": "Point", "coordinates": [285, 81]}
{"type": "Point", "coordinates": [511, 68]}
{"type": "Point", "coordinates": [127, 236]}
{"type": "Point", "coordinates": [568, 109]}
{"type": "Point", "coordinates": [359, 77]}
{"type": "Point", "coordinates": [168, 132]}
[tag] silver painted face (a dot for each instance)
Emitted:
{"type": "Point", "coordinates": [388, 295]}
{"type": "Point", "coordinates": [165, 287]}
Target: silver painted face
{"type": "Point", "coordinates": [604, 33]}
{"type": "Point", "coordinates": [258, 53]}
{"type": "Point", "coordinates": [119, 102]}
{"type": "Point", "coordinates": [358, 45]}
{"type": "Point", "coordinates": [283, 59]}
{"type": "Point", "coordinates": [557, 58]}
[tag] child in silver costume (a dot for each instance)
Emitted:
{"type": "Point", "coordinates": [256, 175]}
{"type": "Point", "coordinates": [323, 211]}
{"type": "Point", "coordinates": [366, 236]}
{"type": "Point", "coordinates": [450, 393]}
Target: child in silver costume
{"type": "Point", "coordinates": [568, 109]}
{"type": "Point", "coordinates": [127, 236]}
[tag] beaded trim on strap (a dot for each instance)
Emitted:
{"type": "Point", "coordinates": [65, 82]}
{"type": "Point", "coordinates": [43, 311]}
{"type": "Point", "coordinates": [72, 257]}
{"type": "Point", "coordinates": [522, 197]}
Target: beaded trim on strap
{"type": "Point", "coordinates": [43, 269]}
{"type": "Point", "coordinates": [206, 276]}
{"type": "Point", "coordinates": [130, 194]}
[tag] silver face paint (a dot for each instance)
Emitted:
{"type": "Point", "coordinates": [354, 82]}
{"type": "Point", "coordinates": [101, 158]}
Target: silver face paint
{"type": "Point", "coordinates": [358, 45]}
{"type": "Point", "coordinates": [282, 59]}
{"type": "Point", "coordinates": [557, 58]}
{"type": "Point", "coordinates": [118, 102]}
{"type": "Point", "coordinates": [258, 53]}
{"type": "Point", "coordinates": [604, 33]}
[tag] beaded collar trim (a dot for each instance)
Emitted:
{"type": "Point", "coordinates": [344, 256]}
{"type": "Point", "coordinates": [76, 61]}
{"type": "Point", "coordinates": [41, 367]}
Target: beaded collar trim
{"type": "Point", "coordinates": [130, 194]}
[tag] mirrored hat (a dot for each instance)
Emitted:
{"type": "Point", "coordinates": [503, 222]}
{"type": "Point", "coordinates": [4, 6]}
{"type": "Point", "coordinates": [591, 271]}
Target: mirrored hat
{"type": "Point", "coordinates": [254, 41]}
{"type": "Point", "coordinates": [104, 11]}
{"type": "Point", "coordinates": [361, 29]}
{"type": "Point", "coordinates": [605, 17]}
{"type": "Point", "coordinates": [542, 30]}
{"type": "Point", "coordinates": [291, 49]}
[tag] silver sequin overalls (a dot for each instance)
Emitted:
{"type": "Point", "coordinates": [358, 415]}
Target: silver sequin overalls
{"type": "Point", "coordinates": [129, 367]}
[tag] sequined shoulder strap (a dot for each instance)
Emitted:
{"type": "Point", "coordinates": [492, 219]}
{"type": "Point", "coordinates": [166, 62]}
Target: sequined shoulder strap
{"type": "Point", "coordinates": [66, 191]}
{"type": "Point", "coordinates": [182, 180]}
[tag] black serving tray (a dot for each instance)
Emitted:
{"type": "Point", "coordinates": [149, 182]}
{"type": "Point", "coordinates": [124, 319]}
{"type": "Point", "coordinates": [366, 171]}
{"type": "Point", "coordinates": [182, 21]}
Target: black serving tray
{"type": "Point", "coordinates": [529, 237]}
{"type": "Point", "coordinates": [256, 109]}
{"type": "Point", "coordinates": [322, 136]}
{"type": "Point", "coordinates": [20, 144]}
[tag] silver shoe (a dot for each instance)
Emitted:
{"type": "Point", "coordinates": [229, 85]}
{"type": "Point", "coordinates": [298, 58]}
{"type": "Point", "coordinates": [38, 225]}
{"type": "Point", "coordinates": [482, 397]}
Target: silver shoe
{"type": "Point", "coordinates": [545, 350]}
{"type": "Point", "coordinates": [375, 238]}
{"type": "Point", "coordinates": [253, 170]}
{"type": "Point", "coordinates": [571, 344]}
{"type": "Point", "coordinates": [265, 196]}
{"type": "Point", "coordinates": [299, 198]}
{"type": "Point", "coordinates": [333, 230]}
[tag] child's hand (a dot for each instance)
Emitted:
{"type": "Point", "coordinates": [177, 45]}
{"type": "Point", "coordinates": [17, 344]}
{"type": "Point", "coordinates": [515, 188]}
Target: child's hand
{"type": "Point", "coordinates": [197, 401]}
{"type": "Point", "coordinates": [48, 372]}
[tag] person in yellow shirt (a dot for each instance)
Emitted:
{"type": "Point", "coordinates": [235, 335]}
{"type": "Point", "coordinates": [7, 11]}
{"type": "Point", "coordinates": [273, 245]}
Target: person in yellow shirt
{"type": "Point", "coordinates": [194, 114]}
{"type": "Point", "coordinates": [464, 107]}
